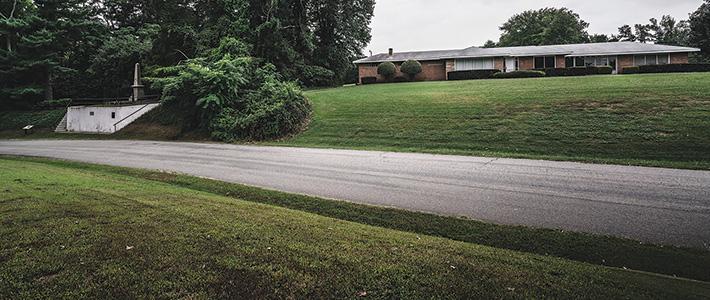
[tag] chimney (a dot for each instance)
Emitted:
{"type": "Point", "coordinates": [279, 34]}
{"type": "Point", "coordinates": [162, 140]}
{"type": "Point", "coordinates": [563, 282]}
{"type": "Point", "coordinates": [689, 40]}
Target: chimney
{"type": "Point", "coordinates": [391, 51]}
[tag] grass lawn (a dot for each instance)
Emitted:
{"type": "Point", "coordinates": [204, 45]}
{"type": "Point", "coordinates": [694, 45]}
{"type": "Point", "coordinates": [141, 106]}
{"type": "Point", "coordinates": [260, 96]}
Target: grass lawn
{"type": "Point", "coordinates": [78, 230]}
{"type": "Point", "coordinates": [653, 119]}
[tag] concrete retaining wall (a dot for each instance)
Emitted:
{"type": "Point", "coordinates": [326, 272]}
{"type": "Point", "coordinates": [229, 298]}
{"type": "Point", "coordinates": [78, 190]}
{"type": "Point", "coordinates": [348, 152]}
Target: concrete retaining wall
{"type": "Point", "coordinates": [104, 119]}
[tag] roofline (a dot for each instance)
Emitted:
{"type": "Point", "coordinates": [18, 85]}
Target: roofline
{"type": "Point", "coordinates": [568, 54]}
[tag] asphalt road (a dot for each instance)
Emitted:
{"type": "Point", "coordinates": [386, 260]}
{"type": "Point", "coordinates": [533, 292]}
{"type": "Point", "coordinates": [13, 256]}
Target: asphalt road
{"type": "Point", "coordinates": [648, 204]}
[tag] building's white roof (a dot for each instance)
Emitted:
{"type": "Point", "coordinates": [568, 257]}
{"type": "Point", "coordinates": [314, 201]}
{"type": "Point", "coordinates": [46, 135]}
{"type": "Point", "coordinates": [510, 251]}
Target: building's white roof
{"type": "Point", "coordinates": [592, 49]}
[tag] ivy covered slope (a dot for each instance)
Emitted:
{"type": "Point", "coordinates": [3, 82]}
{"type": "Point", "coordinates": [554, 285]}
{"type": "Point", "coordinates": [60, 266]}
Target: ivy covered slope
{"type": "Point", "coordinates": [233, 96]}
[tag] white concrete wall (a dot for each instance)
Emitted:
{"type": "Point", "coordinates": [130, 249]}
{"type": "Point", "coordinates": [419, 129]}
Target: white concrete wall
{"type": "Point", "coordinates": [80, 118]}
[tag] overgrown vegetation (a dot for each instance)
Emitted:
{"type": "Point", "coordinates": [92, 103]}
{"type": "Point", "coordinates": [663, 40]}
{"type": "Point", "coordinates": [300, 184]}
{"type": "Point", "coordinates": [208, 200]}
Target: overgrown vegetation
{"type": "Point", "coordinates": [235, 96]}
{"type": "Point", "coordinates": [97, 233]}
{"type": "Point", "coordinates": [55, 49]}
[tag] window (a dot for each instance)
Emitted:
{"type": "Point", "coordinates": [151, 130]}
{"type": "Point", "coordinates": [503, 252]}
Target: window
{"type": "Point", "coordinates": [589, 61]}
{"type": "Point", "coordinates": [569, 62]}
{"type": "Point", "coordinates": [91, 113]}
{"type": "Point", "coordinates": [651, 60]}
{"type": "Point", "coordinates": [579, 61]}
{"type": "Point", "coordinates": [639, 60]}
{"type": "Point", "coordinates": [544, 62]}
{"type": "Point", "coordinates": [644, 60]}
{"type": "Point", "coordinates": [601, 61]}
{"type": "Point", "coordinates": [474, 64]}
{"type": "Point", "coordinates": [113, 115]}
{"type": "Point", "coordinates": [663, 59]}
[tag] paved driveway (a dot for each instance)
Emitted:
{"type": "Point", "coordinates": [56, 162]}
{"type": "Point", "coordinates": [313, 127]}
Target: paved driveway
{"type": "Point", "coordinates": [649, 204]}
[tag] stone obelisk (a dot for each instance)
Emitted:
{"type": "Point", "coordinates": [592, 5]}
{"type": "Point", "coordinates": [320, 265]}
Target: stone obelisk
{"type": "Point", "coordinates": [138, 87]}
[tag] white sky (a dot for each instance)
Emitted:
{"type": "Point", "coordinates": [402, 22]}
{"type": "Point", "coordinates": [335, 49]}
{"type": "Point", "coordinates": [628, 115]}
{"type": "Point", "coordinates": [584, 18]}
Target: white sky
{"type": "Point", "coordinates": [413, 25]}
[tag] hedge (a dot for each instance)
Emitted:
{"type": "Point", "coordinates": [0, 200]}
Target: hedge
{"type": "Point", "coordinates": [520, 74]}
{"type": "Point", "coordinates": [630, 70]}
{"type": "Point", "coordinates": [472, 74]}
{"type": "Point", "coordinates": [369, 80]}
{"type": "Point", "coordinates": [674, 68]}
{"type": "Point", "coordinates": [577, 71]}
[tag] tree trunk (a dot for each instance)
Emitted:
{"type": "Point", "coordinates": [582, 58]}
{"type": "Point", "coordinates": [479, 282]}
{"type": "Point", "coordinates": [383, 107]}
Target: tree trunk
{"type": "Point", "coordinates": [48, 88]}
{"type": "Point", "coordinates": [9, 43]}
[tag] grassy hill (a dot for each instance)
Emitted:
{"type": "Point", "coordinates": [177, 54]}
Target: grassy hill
{"type": "Point", "coordinates": [76, 230]}
{"type": "Point", "coordinates": [657, 120]}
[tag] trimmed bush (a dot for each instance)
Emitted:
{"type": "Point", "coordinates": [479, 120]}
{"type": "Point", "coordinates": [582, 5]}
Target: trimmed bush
{"type": "Point", "coordinates": [675, 68]}
{"type": "Point", "coordinates": [472, 74]}
{"type": "Point", "coordinates": [401, 79]}
{"type": "Point", "coordinates": [577, 71]}
{"type": "Point", "coordinates": [604, 70]}
{"type": "Point", "coordinates": [630, 70]}
{"type": "Point", "coordinates": [411, 68]}
{"type": "Point", "coordinates": [520, 74]}
{"type": "Point", "coordinates": [387, 69]}
{"type": "Point", "coordinates": [316, 76]}
{"type": "Point", "coordinates": [369, 80]}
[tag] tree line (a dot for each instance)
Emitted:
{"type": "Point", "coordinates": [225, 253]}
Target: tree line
{"type": "Point", "coordinates": [550, 26]}
{"type": "Point", "coordinates": [87, 48]}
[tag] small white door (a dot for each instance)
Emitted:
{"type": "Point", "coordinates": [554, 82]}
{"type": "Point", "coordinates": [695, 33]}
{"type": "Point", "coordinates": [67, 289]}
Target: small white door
{"type": "Point", "coordinates": [510, 64]}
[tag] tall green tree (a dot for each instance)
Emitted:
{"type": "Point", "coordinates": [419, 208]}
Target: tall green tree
{"type": "Point", "coordinates": [699, 24]}
{"type": "Point", "coordinates": [546, 26]}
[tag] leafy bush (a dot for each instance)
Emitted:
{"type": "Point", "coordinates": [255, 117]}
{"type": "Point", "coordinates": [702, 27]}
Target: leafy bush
{"type": "Point", "coordinates": [369, 80]}
{"type": "Point", "coordinates": [630, 70]}
{"type": "Point", "coordinates": [316, 76]}
{"type": "Point", "coordinates": [411, 68]}
{"type": "Point", "coordinates": [520, 74]}
{"type": "Point", "coordinates": [234, 96]}
{"type": "Point", "coordinates": [472, 74]}
{"type": "Point", "coordinates": [674, 68]}
{"type": "Point", "coordinates": [387, 69]}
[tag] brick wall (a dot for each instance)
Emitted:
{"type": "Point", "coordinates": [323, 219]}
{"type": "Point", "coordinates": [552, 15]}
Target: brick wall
{"type": "Point", "coordinates": [679, 58]}
{"type": "Point", "coordinates": [431, 70]}
{"type": "Point", "coordinates": [560, 61]}
{"type": "Point", "coordinates": [499, 63]}
{"type": "Point", "coordinates": [450, 67]}
{"type": "Point", "coordinates": [624, 61]}
{"type": "Point", "coordinates": [526, 63]}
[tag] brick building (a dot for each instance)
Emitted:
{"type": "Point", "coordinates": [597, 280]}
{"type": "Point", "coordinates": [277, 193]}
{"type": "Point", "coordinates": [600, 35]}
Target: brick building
{"type": "Point", "coordinates": [437, 64]}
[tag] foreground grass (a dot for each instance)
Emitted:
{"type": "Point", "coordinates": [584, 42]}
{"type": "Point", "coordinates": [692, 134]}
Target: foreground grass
{"type": "Point", "coordinates": [79, 230]}
{"type": "Point", "coordinates": [653, 120]}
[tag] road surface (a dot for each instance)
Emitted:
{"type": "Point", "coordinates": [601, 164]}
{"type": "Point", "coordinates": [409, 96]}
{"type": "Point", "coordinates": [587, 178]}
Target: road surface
{"type": "Point", "coordinates": [648, 204]}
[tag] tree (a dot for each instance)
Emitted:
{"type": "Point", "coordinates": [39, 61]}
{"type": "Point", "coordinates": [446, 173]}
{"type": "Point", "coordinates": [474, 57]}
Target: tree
{"type": "Point", "coordinates": [699, 24]}
{"type": "Point", "coordinates": [411, 68]}
{"type": "Point", "coordinates": [602, 38]}
{"type": "Point", "coordinates": [546, 26]}
{"type": "Point", "coordinates": [490, 44]}
{"type": "Point", "coordinates": [626, 34]}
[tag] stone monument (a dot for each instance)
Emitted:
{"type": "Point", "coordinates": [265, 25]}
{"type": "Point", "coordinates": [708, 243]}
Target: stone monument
{"type": "Point", "coordinates": [138, 87]}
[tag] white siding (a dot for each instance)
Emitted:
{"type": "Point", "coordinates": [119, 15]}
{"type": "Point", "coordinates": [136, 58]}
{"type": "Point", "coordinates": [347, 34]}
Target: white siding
{"type": "Point", "coordinates": [97, 119]}
{"type": "Point", "coordinates": [474, 64]}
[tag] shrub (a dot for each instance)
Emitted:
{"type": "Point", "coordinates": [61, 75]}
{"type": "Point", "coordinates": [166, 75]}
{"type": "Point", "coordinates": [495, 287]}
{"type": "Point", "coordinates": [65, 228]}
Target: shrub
{"type": "Point", "coordinates": [401, 79]}
{"type": "Point", "coordinates": [603, 70]}
{"type": "Point", "coordinates": [387, 69]}
{"type": "Point", "coordinates": [50, 104]}
{"type": "Point", "coordinates": [235, 98]}
{"type": "Point", "coordinates": [630, 70]}
{"type": "Point", "coordinates": [472, 74]}
{"type": "Point", "coordinates": [411, 68]}
{"type": "Point", "coordinates": [520, 74]}
{"type": "Point", "coordinates": [317, 76]}
{"type": "Point", "coordinates": [577, 71]}
{"type": "Point", "coordinates": [369, 80]}
{"type": "Point", "coordinates": [674, 68]}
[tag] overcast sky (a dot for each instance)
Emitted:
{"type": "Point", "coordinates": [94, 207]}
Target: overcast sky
{"type": "Point", "coordinates": [412, 25]}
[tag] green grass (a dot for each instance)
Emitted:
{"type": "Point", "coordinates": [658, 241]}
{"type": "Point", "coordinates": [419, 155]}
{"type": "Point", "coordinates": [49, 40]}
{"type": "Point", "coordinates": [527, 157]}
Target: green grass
{"type": "Point", "coordinates": [652, 120]}
{"type": "Point", "coordinates": [66, 228]}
